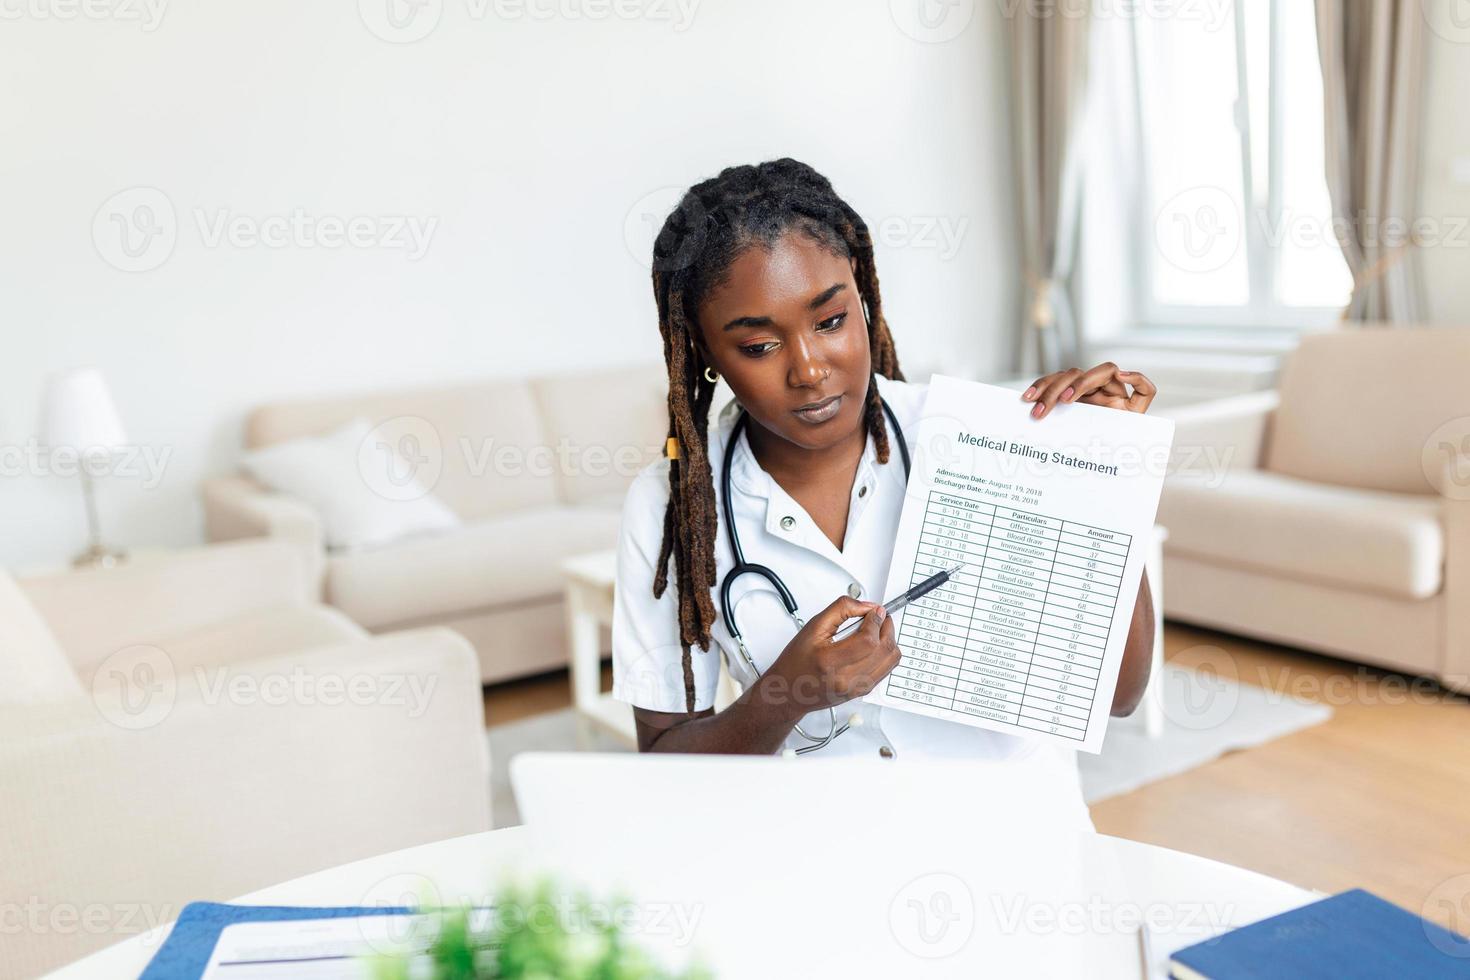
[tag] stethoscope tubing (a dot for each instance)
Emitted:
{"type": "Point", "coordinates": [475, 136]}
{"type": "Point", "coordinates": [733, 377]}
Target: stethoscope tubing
{"type": "Point", "coordinates": [743, 567]}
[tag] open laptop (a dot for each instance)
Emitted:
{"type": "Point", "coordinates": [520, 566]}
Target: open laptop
{"type": "Point", "coordinates": [819, 867]}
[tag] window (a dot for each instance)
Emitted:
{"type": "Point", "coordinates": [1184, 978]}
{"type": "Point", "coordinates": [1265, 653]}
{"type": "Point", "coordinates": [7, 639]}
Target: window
{"type": "Point", "coordinates": [1236, 225]}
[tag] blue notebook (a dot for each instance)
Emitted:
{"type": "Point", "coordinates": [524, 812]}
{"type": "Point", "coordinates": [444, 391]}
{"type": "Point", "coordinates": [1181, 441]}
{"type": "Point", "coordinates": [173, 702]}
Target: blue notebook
{"type": "Point", "coordinates": [1354, 934]}
{"type": "Point", "coordinates": [186, 951]}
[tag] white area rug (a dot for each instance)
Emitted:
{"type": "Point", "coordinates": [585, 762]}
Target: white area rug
{"type": "Point", "coordinates": [1206, 717]}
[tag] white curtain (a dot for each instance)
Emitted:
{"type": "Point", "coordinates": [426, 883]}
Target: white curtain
{"type": "Point", "coordinates": [1048, 56]}
{"type": "Point", "coordinates": [1372, 55]}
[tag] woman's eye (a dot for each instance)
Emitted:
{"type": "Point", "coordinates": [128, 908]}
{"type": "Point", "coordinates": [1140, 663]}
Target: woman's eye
{"type": "Point", "coordinates": [756, 350]}
{"type": "Point", "coordinates": [832, 322]}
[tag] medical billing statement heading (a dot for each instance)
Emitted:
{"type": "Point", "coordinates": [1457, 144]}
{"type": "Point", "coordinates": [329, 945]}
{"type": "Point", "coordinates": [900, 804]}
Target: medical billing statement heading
{"type": "Point", "coordinates": [1053, 520]}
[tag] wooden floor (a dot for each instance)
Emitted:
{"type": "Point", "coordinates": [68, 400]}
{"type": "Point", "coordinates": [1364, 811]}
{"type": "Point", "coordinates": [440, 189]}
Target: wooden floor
{"type": "Point", "coordinates": [1378, 797]}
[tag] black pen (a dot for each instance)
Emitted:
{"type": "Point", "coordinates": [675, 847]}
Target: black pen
{"type": "Point", "coordinates": [903, 599]}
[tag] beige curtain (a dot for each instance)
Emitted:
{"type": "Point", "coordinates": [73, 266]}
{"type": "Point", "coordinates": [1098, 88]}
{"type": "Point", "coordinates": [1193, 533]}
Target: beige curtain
{"type": "Point", "coordinates": [1372, 59]}
{"type": "Point", "coordinates": [1048, 55]}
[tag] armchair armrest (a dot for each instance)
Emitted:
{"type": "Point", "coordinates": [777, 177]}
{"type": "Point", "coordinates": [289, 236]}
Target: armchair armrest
{"type": "Point", "coordinates": [238, 507]}
{"type": "Point", "coordinates": [1452, 481]}
{"type": "Point", "coordinates": [379, 744]}
{"type": "Point", "coordinates": [93, 612]}
{"type": "Point", "coordinates": [1212, 438]}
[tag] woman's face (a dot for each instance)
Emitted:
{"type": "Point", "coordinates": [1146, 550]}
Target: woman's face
{"type": "Point", "coordinates": [786, 331]}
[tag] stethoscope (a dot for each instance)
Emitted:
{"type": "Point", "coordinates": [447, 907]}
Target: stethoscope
{"type": "Point", "coordinates": [743, 567]}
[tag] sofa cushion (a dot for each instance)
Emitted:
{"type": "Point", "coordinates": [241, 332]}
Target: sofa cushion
{"type": "Point", "coordinates": [33, 667]}
{"type": "Point", "coordinates": [1391, 543]}
{"type": "Point", "coordinates": [1358, 407]}
{"type": "Point", "coordinates": [502, 561]}
{"type": "Point", "coordinates": [479, 448]}
{"type": "Point", "coordinates": [269, 632]}
{"type": "Point", "coordinates": [607, 426]}
{"type": "Point", "coordinates": [363, 494]}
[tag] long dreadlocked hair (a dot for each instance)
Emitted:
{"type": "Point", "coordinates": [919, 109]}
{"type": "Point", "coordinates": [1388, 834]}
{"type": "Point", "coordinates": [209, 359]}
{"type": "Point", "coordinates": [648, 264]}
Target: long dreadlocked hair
{"type": "Point", "coordinates": [715, 222]}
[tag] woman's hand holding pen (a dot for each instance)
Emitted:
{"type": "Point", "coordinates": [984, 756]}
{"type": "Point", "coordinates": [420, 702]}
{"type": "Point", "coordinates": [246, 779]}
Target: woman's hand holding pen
{"type": "Point", "coordinates": [815, 673]}
{"type": "Point", "coordinates": [1103, 385]}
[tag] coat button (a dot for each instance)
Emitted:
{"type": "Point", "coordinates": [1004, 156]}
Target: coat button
{"type": "Point", "coordinates": [787, 523]}
{"type": "Point", "coordinates": [885, 752]}
{"type": "Point", "coordinates": [863, 490]}
{"type": "Point", "coordinates": [854, 590]}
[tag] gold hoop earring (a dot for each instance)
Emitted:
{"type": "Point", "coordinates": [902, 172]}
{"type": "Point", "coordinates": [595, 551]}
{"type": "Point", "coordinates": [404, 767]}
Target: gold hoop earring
{"type": "Point", "coordinates": [710, 375]}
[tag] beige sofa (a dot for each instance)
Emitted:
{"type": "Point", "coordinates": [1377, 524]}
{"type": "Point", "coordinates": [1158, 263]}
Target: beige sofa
{"type": "Point", "coordinates": [1334, 514]}
{"type": "Point", "coordinates": [191, 726]}
{"type": "Point", "coordinates": [535, 469]}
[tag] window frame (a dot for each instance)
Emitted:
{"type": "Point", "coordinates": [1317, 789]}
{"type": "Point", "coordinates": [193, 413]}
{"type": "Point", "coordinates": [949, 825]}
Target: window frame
{"type": "Point", "coordinates": [1263, 312]}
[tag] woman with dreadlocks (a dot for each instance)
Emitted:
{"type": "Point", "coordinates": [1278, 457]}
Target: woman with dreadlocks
{"type": "Point", "coordinates": [763, 276]}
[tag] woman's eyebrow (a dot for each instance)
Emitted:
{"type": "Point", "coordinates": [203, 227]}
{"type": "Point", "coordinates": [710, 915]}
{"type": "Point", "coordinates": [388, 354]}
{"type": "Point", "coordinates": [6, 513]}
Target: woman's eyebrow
{"type": "Point", "coordinates": [826, 294]}
{"type": "Point", "coordinates": [765, 321]}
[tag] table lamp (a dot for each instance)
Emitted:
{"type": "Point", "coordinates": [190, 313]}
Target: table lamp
{"type": "Point", "coordinates": [77, 414]}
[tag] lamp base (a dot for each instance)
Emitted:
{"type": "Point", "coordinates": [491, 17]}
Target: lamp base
{"type": "Point", "coordinates": [99, 556]}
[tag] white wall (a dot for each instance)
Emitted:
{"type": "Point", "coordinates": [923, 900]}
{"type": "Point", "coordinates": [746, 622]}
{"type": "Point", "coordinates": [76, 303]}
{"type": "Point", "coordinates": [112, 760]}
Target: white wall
{"type": "Point", "coordinates": [1445, 162]}
{"type": "Point", "coordinates": [530, 140]}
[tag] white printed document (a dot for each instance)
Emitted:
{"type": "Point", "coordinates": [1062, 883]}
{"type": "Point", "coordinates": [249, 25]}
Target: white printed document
{"type": "Point", "coordinates": [1053, 519]}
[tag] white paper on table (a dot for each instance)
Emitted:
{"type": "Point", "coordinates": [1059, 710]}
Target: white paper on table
{"type": "Point", "coordinates": [312, 949]}
{"type": "Point", "coordinates": [1028, 637]}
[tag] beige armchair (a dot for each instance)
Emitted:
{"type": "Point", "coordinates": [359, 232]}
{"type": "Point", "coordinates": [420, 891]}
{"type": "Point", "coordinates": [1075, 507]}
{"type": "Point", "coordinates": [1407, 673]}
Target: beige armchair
{"type": "Point", "coordinates": [1333, 514]}
{"type": "Point", "coordinates": [193, 727]}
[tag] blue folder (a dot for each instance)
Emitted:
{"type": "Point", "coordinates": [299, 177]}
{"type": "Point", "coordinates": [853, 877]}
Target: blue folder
{"type": "Point", "coordinates": [186, 952]}
{"type": "Point", "coordinates": [1355, 934]}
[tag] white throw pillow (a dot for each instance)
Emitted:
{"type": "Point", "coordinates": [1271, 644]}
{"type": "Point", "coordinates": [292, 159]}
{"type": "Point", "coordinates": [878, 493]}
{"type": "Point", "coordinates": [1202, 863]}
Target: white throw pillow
{"type": "Point", "coordinates": [33, 667]}
{"type": "Point", "coordinates": [343, 478]}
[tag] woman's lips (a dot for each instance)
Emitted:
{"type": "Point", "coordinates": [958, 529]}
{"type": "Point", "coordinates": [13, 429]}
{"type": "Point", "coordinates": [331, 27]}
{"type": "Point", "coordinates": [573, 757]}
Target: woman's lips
{"type": "Point", "coordinates": [821, 412]}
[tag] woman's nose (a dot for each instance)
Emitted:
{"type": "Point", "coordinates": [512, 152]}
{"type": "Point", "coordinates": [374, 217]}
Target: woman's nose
{"type": "Point", "coordinates": [806, 368]}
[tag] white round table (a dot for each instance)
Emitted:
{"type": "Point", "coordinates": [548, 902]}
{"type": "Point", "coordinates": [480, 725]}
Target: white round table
{"type": "Point", "coordinates": [1221, 895]}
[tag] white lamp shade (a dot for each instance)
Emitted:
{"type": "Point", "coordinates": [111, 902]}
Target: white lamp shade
{"type": "Point", "coordinates": [77, 413]}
